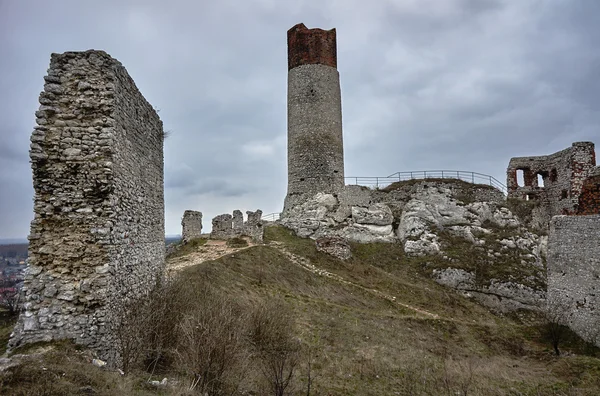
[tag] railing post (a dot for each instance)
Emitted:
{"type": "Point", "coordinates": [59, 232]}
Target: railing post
{"type": "Point", "coordinates": [377, 182]}
{"type": "Point", "coordinates": [473, 177]}
{"type": "Point", "coordinates": [442, 174]}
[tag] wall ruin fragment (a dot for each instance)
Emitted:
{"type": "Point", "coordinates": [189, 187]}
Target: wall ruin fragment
{"type": "Point", "coordinates": [191, 225]}
{"type": "Point", "coordinates": [97, 238]}
{"type": "Point", "coordinates": [226, 226]}
{"type": "Point", "coordinates": [574, 272]}
{"type": "Point", "coordinates": [563, 174]}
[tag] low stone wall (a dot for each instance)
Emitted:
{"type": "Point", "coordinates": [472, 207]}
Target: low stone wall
{"type": "Point", "coordinates": [574, 272]}
{"type": "Point", "coordinates": [97, 238]}
{"type": "Point", "coordinates": [226, 226]}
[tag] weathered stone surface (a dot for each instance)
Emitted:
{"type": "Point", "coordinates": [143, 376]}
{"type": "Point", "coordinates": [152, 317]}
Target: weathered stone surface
{"type": "Point", "coordinates": [97, 238]}
{"type": "Point", "coordinates": [433, 208]}
{"type": "Point", "coordinates": [376, 214]}
{"type": "Point", "coordinates": [563, 174]}
{"type": "Point", "coordinates": [253, 227]}
{"type": "Point", "coordinates": [226, 226]}
{"type": "Point", "coordinates": [315, 143]}
{"type": "Point", "coordinates": [237, 222]}
{"type": "Point", "coordinates": [222, 227]}
{"type": "Point", "coordinates": [574, 271]}
{"type": "Point", "coordinates": [334, 246]}
{"type": "Point", "coordinates": [191, 225]}
{"type": "Point", "coordinates": [500, 295]}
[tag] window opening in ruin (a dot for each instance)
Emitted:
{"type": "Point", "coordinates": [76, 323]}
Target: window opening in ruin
{"type": "Point", "coordinates": [553, 175]}
{"type": "Point", "coordinates": [520, 178]}
{"type": "Point", "coordinates": [564, 194]}
{"type": "Point", "coordinates": [527, 197]}
{"type": "Point", "coordinates": [540, 180]}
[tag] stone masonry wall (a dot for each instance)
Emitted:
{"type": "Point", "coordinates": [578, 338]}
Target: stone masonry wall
{"type": "Point", "coordinates": [589, 200]}
{"type": "Point", "coordinates": [226, 226]}
{"type": "Point", "coordinates": [574, 271]}
{"type": "Point", "coordinates": [191, 225]}
{"type": "Point", "coordinates": [97, 238]}
{"type": "Point", "coordinates": [563, 174]}
{"type": "Point", "coordinates": [315, 143]}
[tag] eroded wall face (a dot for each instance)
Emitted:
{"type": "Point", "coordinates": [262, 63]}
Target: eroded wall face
{"type": "Point", "coordinates": [563, 174]}
{"type": "Point", "coordinates": [589, 199]}
{"type": "Point", "coordinates": [191, 225]}
{"type": "Point", "coordinates": [97, 238]}
{"type": "Point", "coordinates": [574, 271]}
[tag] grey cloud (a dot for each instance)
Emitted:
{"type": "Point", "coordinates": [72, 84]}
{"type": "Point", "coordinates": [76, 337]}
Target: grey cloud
{"type": "Point", "coordinates": [425, 84]}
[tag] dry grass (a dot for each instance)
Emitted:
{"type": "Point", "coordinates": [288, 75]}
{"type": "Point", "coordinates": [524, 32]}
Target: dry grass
{"type": "Point", "coordinates": [356, 342]}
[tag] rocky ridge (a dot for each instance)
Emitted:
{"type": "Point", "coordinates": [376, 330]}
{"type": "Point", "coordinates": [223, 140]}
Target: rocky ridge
{"type": "Point", "coordinates": [465, 234]}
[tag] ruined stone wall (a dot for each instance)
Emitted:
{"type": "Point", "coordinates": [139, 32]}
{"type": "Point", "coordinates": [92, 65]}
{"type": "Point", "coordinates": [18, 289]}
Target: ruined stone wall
{"type": "Point", "coordinates": [589, 200]}
{"type": "Point", "coordinates": [563, 174]}
{"type": "Point", "coordinates": [97, 238]}
{"type": "Point", "coordinates": [191, 225]}
{"type": "Point", "coordinates": [574, 271]}
{"type": "Point", "coordinates": [315, 144]}
{"type": "Point", "coordinates": [226, 226]}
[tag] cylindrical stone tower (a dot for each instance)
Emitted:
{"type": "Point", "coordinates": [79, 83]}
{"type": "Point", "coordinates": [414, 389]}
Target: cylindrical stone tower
{"type": "Point", "coordinates": [315, 144]}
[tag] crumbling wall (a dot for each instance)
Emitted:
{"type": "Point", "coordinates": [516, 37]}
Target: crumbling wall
{"type": "Point", "coordinates": [589, 199]}
{"type": "Point", "coordinates": [574, 272]}
{"type": "Point", "coordinates": [563, 174]}
{"type": "Point", "coordinates": [226, 226]}
{"type": "Point", "coordinates": [191, 225]}
{"type": "Point", "coordinates": [97, 237]}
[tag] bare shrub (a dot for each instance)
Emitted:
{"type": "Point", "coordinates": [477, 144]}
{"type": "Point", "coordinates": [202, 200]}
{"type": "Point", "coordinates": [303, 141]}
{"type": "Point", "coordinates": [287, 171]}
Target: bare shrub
{"type": "Point", "coordinates": [10, 296]}
{"type": "Point", "coordinates": [211, 346]}
{"type": "Point", "coordinates": [277, 351]}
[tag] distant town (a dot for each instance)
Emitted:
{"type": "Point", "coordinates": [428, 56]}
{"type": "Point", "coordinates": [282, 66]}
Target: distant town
{"type": "Point", "coordinates": [13, 259]}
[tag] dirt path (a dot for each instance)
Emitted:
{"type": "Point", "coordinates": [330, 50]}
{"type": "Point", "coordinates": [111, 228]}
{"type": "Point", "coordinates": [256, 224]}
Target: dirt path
{"type": "Point", "coordinates": [307, 265]}
{"type": "Point", "coordinates": [214, 249]}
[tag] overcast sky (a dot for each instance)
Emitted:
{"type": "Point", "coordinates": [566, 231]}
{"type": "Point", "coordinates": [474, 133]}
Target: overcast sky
{"type": "Point", "coordinates": [426, 84]}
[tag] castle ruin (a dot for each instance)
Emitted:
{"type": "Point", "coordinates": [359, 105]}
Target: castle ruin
{"type": "Point", "coordinates": [228, 226]}
{"type": "Point", "coordinates": [563, 175]}
{"type": "Point", "coordinates": [97, 239]}
{"type": "Point", "coordinates": [315, 143]}
{"type": "Point", "coordinates": [568, 205]}
{"type": "Point", "coordinates": [191, 225]}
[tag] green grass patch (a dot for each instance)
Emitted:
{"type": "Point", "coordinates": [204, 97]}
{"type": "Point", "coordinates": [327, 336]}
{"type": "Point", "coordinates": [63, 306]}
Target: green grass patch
{"type": "Point", "coordinates": [183, 249]}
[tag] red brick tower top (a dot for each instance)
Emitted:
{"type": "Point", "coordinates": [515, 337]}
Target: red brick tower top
{"type": "Point", "coordinates": [311, 46]}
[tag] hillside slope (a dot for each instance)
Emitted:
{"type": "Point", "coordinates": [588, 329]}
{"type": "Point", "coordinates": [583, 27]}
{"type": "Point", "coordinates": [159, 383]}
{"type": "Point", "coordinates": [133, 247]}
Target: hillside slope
{"type": "Point", "coordinates": [376, 324]}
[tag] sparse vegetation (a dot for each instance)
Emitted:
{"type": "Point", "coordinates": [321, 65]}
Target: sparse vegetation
{"type": "Point", "coordinates": [237, 242]}
{"type": "Point", "coordinates": [257, 304]}
{"type": "Point", "coordinates": [182, 249]}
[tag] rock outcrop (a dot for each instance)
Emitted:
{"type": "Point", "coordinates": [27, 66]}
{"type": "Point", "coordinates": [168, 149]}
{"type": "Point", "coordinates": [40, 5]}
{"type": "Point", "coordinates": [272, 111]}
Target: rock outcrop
{"type": "Point", "coordinates": [476, 244]}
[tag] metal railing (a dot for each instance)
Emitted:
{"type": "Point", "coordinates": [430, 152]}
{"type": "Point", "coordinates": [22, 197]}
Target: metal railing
{"type": "Point", "coordinates": [470, 177]}
{"type": "Point", "coordinates": [381, 182]}
{"type": "Point", "coordinates": [271, 216]}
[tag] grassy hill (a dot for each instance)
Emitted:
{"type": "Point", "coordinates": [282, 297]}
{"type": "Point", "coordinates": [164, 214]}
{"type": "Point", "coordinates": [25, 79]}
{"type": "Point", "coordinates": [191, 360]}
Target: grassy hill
{"type": "Point", "coordinates": [373, 325]}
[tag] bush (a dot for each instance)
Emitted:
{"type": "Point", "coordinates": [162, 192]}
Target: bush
{"type": "Point", "coordinates": [277, 350]}
{"type": "Point", "coordinates": [211, 347]}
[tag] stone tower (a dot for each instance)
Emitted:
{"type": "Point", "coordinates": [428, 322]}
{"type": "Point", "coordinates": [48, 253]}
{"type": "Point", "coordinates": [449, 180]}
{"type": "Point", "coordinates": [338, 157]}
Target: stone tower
{"type": "Point", "coordinates": [315, 144]}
